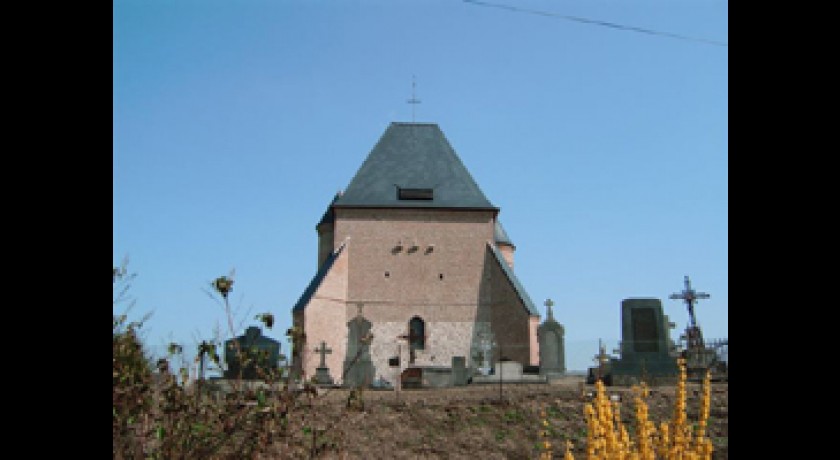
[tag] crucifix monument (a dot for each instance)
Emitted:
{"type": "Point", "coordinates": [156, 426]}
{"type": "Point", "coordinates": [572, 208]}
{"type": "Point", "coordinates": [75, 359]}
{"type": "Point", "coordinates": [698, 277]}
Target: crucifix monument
{"type": "Point", "coordinates": [698, 356]}
{"type": "Point", "coordinates": [690, 296]}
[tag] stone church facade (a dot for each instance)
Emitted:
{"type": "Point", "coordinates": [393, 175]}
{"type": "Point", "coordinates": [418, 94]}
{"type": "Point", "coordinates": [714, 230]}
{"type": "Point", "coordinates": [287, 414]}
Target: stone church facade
{"type": "Point", "coordinates": [413, 248]}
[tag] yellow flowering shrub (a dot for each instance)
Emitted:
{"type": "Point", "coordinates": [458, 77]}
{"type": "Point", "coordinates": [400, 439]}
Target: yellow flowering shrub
{"type": "Point", "coordinates": [608, 439]}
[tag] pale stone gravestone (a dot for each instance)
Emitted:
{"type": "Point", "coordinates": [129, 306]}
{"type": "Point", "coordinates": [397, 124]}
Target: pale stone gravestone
{"type": "Point", "coordinates": [322, 372]}
{"type": "Point", "coordinates": [358, 368]}
{"type": "Point", "coordinates": [508, 370]}
{"type": "Point", "coordinates": [459, 371]}
{"type": "Point", "coordinates": [552, 350]}
{"type": "Point", "coordinates": [644, 344]}
{"type": "Point", "coordinates": [262, 352]}
{"type": "Point", "coordinates": [435, 376]}
{"type": "Point", "coordinates": [485, 344]}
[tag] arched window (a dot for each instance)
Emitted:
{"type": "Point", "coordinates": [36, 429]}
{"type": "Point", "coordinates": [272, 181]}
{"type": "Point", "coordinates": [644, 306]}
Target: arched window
{"type": "Point", "coordinates": [417, 333]}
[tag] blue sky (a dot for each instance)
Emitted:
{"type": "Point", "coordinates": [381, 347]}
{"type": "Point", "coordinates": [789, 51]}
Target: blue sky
{"type": "Point", "coordinates": [234, 124]}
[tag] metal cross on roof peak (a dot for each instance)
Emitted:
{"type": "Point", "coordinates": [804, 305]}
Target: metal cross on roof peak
{"type": "Point", "coordinates": [690, 296]}
{"type": "Point", "coordinates": [413, 101]}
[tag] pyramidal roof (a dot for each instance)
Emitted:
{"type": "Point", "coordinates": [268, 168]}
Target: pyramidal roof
{"type": "Point", "coordinates": [413, 166]}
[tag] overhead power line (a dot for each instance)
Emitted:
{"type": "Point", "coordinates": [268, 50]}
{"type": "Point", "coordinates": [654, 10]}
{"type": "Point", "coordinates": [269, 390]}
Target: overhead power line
{"type": "Point", "coordinates": [595, 22]}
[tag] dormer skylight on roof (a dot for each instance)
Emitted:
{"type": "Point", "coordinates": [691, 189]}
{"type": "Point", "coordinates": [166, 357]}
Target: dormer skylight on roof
{"type": "Point", "coordinates": [423, 194]}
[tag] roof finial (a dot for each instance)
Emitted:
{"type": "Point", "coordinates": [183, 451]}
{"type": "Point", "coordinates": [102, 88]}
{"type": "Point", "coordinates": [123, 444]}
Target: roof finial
{"type": "Point", "coordinates": [413, 101]}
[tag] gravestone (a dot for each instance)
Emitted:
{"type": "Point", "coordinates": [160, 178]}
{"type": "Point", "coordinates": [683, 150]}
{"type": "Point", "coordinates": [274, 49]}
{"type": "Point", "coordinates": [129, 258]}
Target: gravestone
{"type": "Point", "coordinates": [645, 345]}
{"type": "Point", "coordinates": [322, 372]}
{"type": "Point", "coordinates": [358, 368]}
{"type": "Point", "coordinates": [412, 377]}
{"type": "Point", "coordinates": [552, 350]}
{"type": "Point", "coordinates": [261, 354]}
{"type": "Point", "coordinates": [484, 348]}
{"type": "Point", "coordinates": [459, 371]}
{"type": "Point", "coordinates": [508, 371]}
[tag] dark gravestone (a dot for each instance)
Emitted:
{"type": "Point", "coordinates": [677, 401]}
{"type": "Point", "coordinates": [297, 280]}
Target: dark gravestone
{"type": "Point", "coordinates": [645, 350]}
{"type": "Point", "coordinates": [411, 378]}
{"type": "Point", "coordinates": [358, 368]}
{"type": "Point", "coordinates": [552, 350]}
{"type": "Point", "coordinates": [459, 371]}
{"type": "Point", "coordinates": [260, 354]}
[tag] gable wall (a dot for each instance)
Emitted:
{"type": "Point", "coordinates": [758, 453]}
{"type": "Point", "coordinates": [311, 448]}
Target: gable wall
{"type": "Point", "coordinates": [459, 238]}
{"type": "Point", "coordinates": [449, 306]}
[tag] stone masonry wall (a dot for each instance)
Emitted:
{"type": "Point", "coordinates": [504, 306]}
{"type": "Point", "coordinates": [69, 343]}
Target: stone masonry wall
{"type": "Point", "coordinates": [444, 340]}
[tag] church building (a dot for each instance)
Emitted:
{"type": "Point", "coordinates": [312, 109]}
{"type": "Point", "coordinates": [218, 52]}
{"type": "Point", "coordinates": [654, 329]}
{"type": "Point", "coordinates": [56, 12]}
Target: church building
{"type": "Point", "coordinates": [412, 261]}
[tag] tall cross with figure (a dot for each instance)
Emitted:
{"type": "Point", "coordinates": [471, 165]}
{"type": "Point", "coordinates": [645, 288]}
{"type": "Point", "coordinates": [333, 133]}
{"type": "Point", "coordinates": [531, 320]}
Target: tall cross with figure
{"type": "Point", "coordinates": [601, 358]}
{"type": "Point", "coordinates": [324, 351]}
{"type": "Point", "coordinates": [413, 101]}
{"type": "Point", "coordinates": [689, 296]}
{"type": "Point", "coordinates": [412, 337]}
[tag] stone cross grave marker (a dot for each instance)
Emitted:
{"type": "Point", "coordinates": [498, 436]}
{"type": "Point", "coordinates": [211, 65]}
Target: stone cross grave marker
{"type": "Point", "coordinates": [548, 304]}
{"type": "Point", "coordinates": [324, 351]}
{"type": "Point", "coordinates": [322, 373]}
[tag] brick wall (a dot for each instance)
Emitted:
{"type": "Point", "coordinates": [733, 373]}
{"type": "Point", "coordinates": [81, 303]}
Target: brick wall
{"type": "Point", "coordinates": [401, 263]}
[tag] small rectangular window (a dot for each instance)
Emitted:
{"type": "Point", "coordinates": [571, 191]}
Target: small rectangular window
{"type": "Point", "coordinates": [415, 194]}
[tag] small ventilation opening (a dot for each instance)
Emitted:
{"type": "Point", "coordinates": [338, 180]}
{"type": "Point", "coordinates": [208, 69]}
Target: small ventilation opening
{"type": "Point", "coordinates": [423, 194]}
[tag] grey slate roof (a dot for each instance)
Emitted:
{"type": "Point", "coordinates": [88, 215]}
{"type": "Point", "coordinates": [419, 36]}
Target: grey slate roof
{"type": "Point", "coordinates": [500, 235]}
{"type": "Point", "coordinates": [517, 286]}
{"type": "Point", "coordinates": [415, 156]}
{"type": "Point", "coordinates": [317, 279]}
{"type": "Point", "coordinates": [329, 214]}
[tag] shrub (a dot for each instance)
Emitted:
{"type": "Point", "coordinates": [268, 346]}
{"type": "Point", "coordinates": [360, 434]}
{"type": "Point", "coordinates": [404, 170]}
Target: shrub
{"type": "Point", "coordinates": [607, 437]}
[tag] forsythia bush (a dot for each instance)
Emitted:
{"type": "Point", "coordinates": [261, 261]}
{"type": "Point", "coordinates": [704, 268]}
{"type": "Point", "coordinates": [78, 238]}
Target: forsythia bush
{"type": "Point", "coordinates": [607, 438]}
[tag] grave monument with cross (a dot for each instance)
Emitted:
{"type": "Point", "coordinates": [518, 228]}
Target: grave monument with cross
{"type": "Point", "coordinates": [552, 350]}
{"type": "Point", "coordinates": [322, 372]}
{"type": "Point", "coordinates": [358, 368]}
{"type": "Point", "coordinates": [693, 334]}
{"type": "Point", "coordinates": [699, 358]}
{"type": "Point", "coordinates": [412, 376]}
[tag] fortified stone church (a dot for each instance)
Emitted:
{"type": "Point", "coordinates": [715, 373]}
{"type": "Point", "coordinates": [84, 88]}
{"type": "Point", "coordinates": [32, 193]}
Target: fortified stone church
{"type": "Point", "coordinates": [414, 261]}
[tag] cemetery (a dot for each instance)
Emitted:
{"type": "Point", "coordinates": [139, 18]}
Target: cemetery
{"type": "Point", "coordinates": [494, 408]}
{"type": "Point", "coordinates": [416, 338]}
